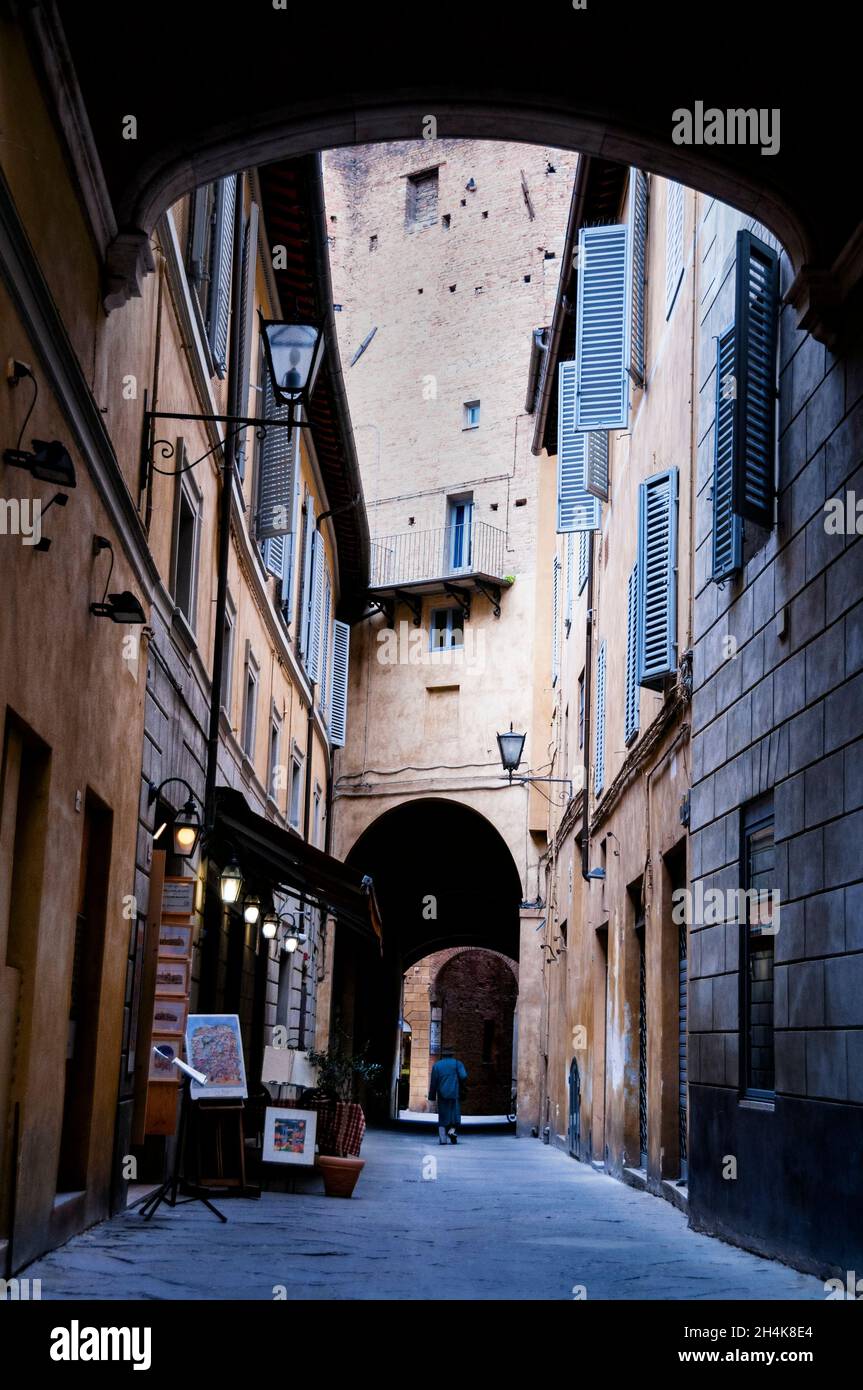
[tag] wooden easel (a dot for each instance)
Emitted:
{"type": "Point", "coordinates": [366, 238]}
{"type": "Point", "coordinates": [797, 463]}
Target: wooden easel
{"type": "Point", "coordinates": [219, 1137]}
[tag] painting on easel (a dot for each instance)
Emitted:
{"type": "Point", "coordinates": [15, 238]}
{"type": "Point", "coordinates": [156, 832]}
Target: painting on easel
{"type": "Point", "coordinates": [214, 1046]}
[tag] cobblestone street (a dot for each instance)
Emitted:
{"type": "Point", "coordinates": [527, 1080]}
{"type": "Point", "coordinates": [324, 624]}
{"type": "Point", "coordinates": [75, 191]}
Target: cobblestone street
{"type": "Point", "coordinates": [504, 1218]}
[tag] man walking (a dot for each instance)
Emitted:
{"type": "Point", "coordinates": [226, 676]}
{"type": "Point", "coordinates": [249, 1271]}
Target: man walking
{"type": "Point", "coordinates": [446, 1086]}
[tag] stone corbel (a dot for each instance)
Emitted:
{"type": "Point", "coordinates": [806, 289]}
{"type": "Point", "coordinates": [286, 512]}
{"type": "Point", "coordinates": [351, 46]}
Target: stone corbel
{"type": "Point", "coordinates": [128, 259]}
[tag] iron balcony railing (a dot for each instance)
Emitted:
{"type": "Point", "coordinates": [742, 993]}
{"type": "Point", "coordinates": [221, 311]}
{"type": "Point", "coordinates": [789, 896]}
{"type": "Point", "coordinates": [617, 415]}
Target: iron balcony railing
{"type": "Point", "coordinates": [447, 552]}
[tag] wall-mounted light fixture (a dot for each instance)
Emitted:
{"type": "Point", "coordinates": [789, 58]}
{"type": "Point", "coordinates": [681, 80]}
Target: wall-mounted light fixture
{"type": "Point", "coordinates": [251, 909]}
{"type": "Point", "coordinates": [123, 607]}
{"type": "Point", "coordinates": [187, 821]}
{"type": "Point", "coordinates": [49, 460]}
{"type": "Point", "coordinates": [511, 746]}
{"type": "Point", "coordinates": [231, 882]}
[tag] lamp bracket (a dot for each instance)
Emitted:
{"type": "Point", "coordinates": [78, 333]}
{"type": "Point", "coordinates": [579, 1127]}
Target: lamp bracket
{"type": "Point", "coordinates": [167, 448]}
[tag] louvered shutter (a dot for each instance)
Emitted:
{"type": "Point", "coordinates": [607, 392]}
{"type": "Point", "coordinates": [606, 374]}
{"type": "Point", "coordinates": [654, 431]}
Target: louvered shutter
{"type": "Point", "coordinates": [221, 258]}
{"type": "Point", "coordinates": [576, 509]}
{"type": "Point", "coordinates": [316, 606]}
{"type": "Point", "coordinates": [306, 577]}
{"type": "Point", "coordinates": [638, 249]}
{"type": "Point", "coordinates": [325, 644]}
{"type": "Point", "coordinates": [630, 716]}
{"type": "Point", "coordinates": [755, 327]}
{"type": "Point", "coordinates": [274, 555]}
{"type": "Point", "coordinates": [602, 335]}
{"type": "Point", "coordinates": [657, 579]}
{"type": "Point", "coordinates": [570, 567]}
{"type": "Point", "coordinates": [583, 558]}
{"type": "Point", "coordinates": [276, 473]}
{"type": "Point", "coordinates": [339, 683]}
{"type": "Point", "coordinates": [727, 529]}
{"type": "Point", "coordinates": [596, 473]}
{"type": "Point", "coordinates": [673, 245]}
{"type": "Point", "coordinates": [247, 327]}
{"type": "Point", "coordinates": [200, 219]}
{"type": "Point", "coordinates": [555, 619]}
{"type": "Point", "coordinates": [599, 737]}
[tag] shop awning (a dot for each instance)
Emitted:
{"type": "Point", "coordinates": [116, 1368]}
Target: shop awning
{"type": "Point", "coordinates": [271, 855]}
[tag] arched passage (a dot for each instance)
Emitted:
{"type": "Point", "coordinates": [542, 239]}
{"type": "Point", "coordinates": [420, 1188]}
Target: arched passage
{"type": "Point", "coordinates": [444, 877]}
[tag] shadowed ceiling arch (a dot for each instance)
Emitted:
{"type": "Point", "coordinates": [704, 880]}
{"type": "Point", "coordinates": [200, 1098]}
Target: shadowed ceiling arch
{"type": "Point", "coordinates": [441, 850]}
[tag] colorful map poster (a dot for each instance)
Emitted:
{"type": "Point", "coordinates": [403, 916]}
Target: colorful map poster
{"type": "Point", "coordinates": [215, 1047]}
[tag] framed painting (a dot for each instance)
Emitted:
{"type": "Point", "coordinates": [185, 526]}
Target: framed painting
{"type": "Point", "coordinates": [214, 1046]}
{"type": "Point", "coordinates": [160, 1068]}
{"type": "Point", "coordinates": [172, 978]}
{"type": "Point", "coordinates": [178, 896]}
{"type": "Point", "coordinates": [289, 1135]}
{"type": "Point", "coordinates": [169, 1016]}
{"type": "Point", "coordinates": [175, 942]}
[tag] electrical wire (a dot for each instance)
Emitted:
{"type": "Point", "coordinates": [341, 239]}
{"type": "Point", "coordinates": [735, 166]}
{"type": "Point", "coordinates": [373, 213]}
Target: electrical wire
{"type": "Point", "coordinates": [29, 413]}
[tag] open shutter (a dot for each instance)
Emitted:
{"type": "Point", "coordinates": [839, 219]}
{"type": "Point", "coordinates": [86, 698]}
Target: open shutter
{"type": "Point", "coordinates": [306, 577]}
{"type": "Point", "coordinates": [555, 620]}
{"type": "Point", "coordinates": [599, 743]}
{"type": "Point", "coordinates": [596, 469]}
{"type": "Point", "coordinates": [247, 326]}
{"type": "Point", "coordinates": [325, 645]}
{"type": "Point", "coordinates": [274, 555]}
{"type": "Point", "coordinates": [570, 570]}
{"type": "Point", "coordinates": [755, 327]}
{"type": "Point", "coordinates": [630, 715]}
{"type": "Point", "coordinates": [727, 528]}
{"type": "Point", "coordinates": [583, 558]}
{"type": "Point", "coordinates": [316, 606]}
{"type": "Point", "coordinates": [602, 346]}
{"type": "Point", "coordinates": [576, 509]}
{"type": "Point", "coordinates": [673, 245]}
{"type": "Point", "coordinates": [638, 249]}
{"type": "Point", "coordinates": [657, 579]}
{"type": "Point", "coordinates": [220, 272]}
{"type": "Point", "coordinates": [198, 235]}
{"type": "Point", "coordinates": [339, 683]}
{"type": "Point", "coordinates": [276, 473]}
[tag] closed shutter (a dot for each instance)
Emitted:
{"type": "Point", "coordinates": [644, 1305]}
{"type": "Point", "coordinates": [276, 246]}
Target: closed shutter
{"type": "Point", "coordinates": [596, 472]}
{"type": "Point", "coordinates": [576, 509]}
{"type": "Point", "coordinates": [599, 743]}
{"type": "Point", "coordinates": [316, 606]}
{"type": "Point", "coordinates": [638, 249]}
{"type": "Point", "coordinates": [657, 579]}
{"type": "Point", "coordinates": [325, 645]}
{"type": "Point", "coordinates": [673, 245]}
{"type": "Point", "coordinates": [602, 335]}
{"type": "Point", "coordinates": [221, 258]}
{"type": "Point", "coordinates": [555, 620]}
{"type": "Point", "coordinates": [631, 711]}
{"type": "Point", "coordinates": [247, 327]}
{"type": "Point", "coordinates": [755, 327]}
{"type": "Point", "coordinates": [570, 569]}
{"type": "Point", "coordinates": [306, 577]}
{"type": "Point", "coordinates": [339, 683]}
{"type": "Point", "coordinates": [727, 529]}
{"type": "Point", "coordinates": [583, 558]}
{"type": "Point", "coordinates": [276, 473]}
{"type": "Point", "coordinates": [199, 270]}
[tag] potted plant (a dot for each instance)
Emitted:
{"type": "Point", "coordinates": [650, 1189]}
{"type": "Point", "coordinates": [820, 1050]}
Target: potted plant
{"type": "Point", "coordinates": [341, 1122]}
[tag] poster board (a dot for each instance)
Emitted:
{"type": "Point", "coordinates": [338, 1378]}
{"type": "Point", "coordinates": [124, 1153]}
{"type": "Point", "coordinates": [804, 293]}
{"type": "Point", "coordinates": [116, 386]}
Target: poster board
{"type": "Point", "coordinates": [214, 1046]}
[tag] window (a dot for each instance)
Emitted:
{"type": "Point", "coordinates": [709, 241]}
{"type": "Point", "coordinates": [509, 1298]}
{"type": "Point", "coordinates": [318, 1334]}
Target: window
{"type": "Point", "coordinates": [210, 261]}
{"type": "Point", "coordinates": [555, 620]}
{"type": "Point", "coordinates": [277, 496]}
{"type": "Point", "coordinates": [581, 710]}
{"type": "Point", "coordinates": [583, 558]}
{"type": "Point", "coordinates": [599, 745]}
{"type": "Point", "coordinates": [316, 602]}
{"type": "Point", "coordinates": [422, 191]}
{"type": "Point", "coordinates": [673, 244]}
{"type": "Point", "coordinates": [326, 626]}
{"type": "Point", "coordinates": [316, 833]}
{"type": "Point", "coordinates": [757, 942]}
{"type": "Point", "coordinates": [186, 541]}
{"type": "Point", "coordinates": [305, 552]}
{"type": "Point", "coordinates": [228, 655]}
{"type": "Point", "coordinates": [296, 789]}
{"type": "Point", "coordinates": [570, 566]}
{"type": "Point", "coordinates": [447, 629]}
{"type": "Point", "coordinates": [471, 415]}
{"type": "Point", "coordinates": [460, 510]}
{"type": "Point", "coordinates": [656, 640]}
{"type": "Point", "coordinates": [275, 752]}
{"type": "Point", "coordinates": [250, 703]}
{"type": "Point", "coordinates": [631, 701]}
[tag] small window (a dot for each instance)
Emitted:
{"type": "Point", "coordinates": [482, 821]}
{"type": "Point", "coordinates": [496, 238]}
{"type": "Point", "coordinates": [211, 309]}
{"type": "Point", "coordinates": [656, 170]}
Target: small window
{"type": "Point", "coordinates": [296, 789]}
{"type": "Point", "coordinates": [250, 705]}
{"type": "Point", "coordinates": [581, 710]}
{"type": "Point", "coordinates": [186, 555]}
{"type": "Point", "coordinates": [275, 751]}
{"type": "Point", "coordinates": [316, 835]}
{"type": "Point", "coordinates": [471, 415]}
{"type": "Point", "coordinates": [422, 191]}
{"type": "Point", "coordinates": [447, 629]}
{"type": "Point", "coordinates": [758, 938]}
{"type": "Point", "coordinates": [227, 657]}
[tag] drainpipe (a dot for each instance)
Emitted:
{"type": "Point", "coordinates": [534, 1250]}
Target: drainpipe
{"type": "Point", "coordinates": [588, 669]}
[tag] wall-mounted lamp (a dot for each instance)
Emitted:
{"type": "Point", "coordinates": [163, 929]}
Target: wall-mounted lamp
{"type": "Point", "coordinates": [231, 882]}
{"type": "Point", "coordinates": [511, 747]}
{"type": "Point", "coordinates": [187, 822]}
{"type": "Point", "coordinates": [120, 608]}
{"type": "Point", "coordinates": [49, 460]}
{"type": "Point", "coordinates": [251, 909]}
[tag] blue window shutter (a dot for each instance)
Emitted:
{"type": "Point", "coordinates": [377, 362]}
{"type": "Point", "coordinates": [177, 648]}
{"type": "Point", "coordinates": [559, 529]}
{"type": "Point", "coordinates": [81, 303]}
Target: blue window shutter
{"type": "Point", "coordinates": [274, 555]}
{"type": "Point", "coordinates": [221, 260]}
{"type": "Point", "coordinates": [755, 328]}
{"type": "Point", "coordinates": [631, 711]}
{"type": "Point", "coordinates": [576, 509]}
{"type": "Point", "coordinates": [638, 252]}
{"type": "Point", "coordinates": [599, 743]}
{"type": "Point", "coordinates": [306, 575]}
{"type": "Point", "coordinates": [657, 579]}
{"type": "Point", "coordinates": [727, 528]}
{"type": "Point", "coordinates": [673, 244]}
{"type": "Point", "coordinates": [583, 558]}
{"type": "Point", "coordinates": [596, 464]}
{"type": "Point", "coordinates": [555, 620]}
{"type": "Point", "coordinates": [275, 511]}
{"type": "Point", "coordinates": [339, 683]}
{"type": "Point", "coordinates": [325, 644]}
{"type": "Point", "coordinates": [247, 326]}
{"type": "Point", "coordinates": [602, 333]}
{"type": "Point", "coordinates": [315, 606]}
{"type": "Point", "coordinates": [570, 572]}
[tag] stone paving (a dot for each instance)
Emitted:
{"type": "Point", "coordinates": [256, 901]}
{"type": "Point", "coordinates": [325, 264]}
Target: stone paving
{"type": "Point", "coordinates": [503, 1218]}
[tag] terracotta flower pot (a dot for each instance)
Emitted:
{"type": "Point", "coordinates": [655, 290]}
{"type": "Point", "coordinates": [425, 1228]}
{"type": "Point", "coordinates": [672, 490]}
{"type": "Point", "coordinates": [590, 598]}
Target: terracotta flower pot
{"type": "Point", "coordinates": [340, 1174]}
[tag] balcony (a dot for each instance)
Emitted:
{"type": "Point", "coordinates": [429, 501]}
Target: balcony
{"type": "Point", "coordinates": [449, 559]}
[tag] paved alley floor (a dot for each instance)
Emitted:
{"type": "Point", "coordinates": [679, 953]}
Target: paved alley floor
{"type": "Point", "coordinates": [494, 1218]}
